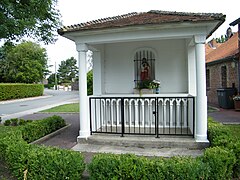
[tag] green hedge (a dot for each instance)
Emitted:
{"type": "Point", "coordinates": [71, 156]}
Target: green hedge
{"type": "Point", "coordinates": [38, 162]}
{"type": "Point", "coordinates": [44, 162]}
{"type": "Point", "coordinates": [109, 166]}
{"type": "Point", "coordinates": [8, 136]}
{"type": "Point", "coordinates": [220, 136]}
{"type": "Point", "coordinates": [219, 162]}
{"type": "Point", "coordinates": [37, 129]}
{"type": "Point", "coordinates": [216, 163]}
{"type": "Point", "coordinates": [16, 91]}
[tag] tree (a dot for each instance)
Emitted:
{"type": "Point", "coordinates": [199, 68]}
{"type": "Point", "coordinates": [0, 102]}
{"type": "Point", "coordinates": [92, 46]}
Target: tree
{"type": "Point", "coordinates": [68, 70]}
{"type": "Point", "coordinates": [24, 63]}
{"type": "Point", "coordinates": [3, 54]}
{"type": "Point", "coordinates": [51, 79]}
{"type": "Point", "coordinates": [90, 82]}
{"type": "Point", "coordinates": [225, 37]}
{"type": "Point", "coordinates": [35, 19]}
{"type": "Point", "coordinates": [222, 39]}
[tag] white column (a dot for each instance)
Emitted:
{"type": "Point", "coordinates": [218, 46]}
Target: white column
{"type": "Point", "coordinates": [201, 99]}
{"type": "Point", "coordinates": [191, 71]}
{"type": "Point", "coordinates": [97, 73]}
{"type": "Point", "coordinates": [84, 131]}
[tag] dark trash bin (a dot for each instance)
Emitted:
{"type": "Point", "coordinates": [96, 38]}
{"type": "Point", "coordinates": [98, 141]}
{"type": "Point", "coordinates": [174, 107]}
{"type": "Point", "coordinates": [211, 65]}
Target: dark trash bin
{"type": "Point", "coordinates": [225, 97]}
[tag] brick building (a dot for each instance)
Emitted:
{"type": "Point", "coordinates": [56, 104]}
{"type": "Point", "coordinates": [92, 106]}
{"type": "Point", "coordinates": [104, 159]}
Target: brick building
{"type": "Point", "coordinates": [221, 66]}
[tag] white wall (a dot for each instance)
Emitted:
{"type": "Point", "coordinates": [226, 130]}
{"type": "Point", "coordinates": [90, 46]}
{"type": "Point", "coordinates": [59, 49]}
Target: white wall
{"type": "Point", "coordinates": [171, 66]}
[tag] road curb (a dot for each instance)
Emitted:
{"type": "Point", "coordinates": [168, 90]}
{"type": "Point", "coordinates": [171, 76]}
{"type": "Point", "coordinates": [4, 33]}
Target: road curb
{"type": "Point", "coordinates": [44, 138]}
{"type": "Point", "coordinates": [56, 113]}
{"type": "Point", "coordinates": [231, 123]}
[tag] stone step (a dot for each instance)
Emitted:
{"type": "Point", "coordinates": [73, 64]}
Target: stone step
{"type": "Point", "coordinates": [148, 152]}
{"type": "Point", "coordinates": [144, 141]}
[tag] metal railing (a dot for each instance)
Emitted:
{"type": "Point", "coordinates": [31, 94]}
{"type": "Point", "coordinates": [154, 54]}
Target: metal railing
{"type": "Point", "coordinates": [142, 115]}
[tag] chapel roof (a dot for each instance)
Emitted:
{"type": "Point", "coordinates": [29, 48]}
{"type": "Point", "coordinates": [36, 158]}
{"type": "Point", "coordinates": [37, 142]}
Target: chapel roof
{"type": "Point", "coordinates": [152, 17]}
{"type": "Point", "coordinates": [225, 50]}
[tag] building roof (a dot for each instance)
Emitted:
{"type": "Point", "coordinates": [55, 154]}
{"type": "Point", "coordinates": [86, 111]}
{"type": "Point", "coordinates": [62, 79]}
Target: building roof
{"type": "Point", "coordinates": [225, 50]}
{"type": "Point", "coordinates": [237, 21]}
{"type": "Point", "coordinates": [145, 18]}
{"type": "Point", "coordinates": [211, 46]}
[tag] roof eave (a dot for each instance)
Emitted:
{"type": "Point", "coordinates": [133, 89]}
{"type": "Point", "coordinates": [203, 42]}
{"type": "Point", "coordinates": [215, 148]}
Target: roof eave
{"type": "Point", "coordinates": [221, 21]}
{"type": "Point", "coordinates": [62, 32]}
{"type": "Point", "coordinates": [237, 21]}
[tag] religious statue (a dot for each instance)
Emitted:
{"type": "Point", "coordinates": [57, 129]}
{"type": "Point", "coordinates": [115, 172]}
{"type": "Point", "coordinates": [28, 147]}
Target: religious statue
{"type": "Point", "coordinates": [145, 70]}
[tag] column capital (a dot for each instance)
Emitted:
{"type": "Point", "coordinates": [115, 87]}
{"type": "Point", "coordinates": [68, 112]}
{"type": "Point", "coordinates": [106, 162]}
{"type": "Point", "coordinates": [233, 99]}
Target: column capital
{"type": "Point", "coordinates": [82, 47]}
{"type": "Point", "coordinates": [200, 39]}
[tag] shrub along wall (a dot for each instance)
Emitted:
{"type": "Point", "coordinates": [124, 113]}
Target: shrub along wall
{"type": "Point", "coordinates": [15, 91]}
{"type": "Point", "coordinates": [220, 161]}
{"type": "Point", "coordinates": [221, 137]}
{"type": "Point", "coordinates": [216, 163]}
{"type": "Point", "coordinates": [38, 162]}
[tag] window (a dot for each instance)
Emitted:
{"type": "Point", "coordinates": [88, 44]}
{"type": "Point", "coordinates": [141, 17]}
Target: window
{"type": "Point", "coordinates": [224, 76]}
{"type": "Point", "coordinates": [208, 78]}
{"type": "Point", "coordinates": [144, 66]}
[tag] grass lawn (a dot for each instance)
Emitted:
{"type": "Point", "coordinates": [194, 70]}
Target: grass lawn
{"type": "Point", "coordinates": [75, 108]}
{"type": "Point", "coordinates": [235, 130]}
{"type": "Point", "coordinates": [64, 108]}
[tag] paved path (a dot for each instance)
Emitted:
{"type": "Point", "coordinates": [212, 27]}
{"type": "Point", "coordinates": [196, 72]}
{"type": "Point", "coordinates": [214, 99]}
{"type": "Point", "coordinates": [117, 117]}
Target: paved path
{"type": "Point", "coordinates": [226, 116]}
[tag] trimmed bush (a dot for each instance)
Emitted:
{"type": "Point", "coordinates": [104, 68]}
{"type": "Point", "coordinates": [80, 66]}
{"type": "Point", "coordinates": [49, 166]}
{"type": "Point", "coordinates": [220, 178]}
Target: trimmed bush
{"type": "Point", "coordinates": [220, 161]}
{"type": "Point", "coordinates": [220, 137]}
{"type": "Point", "coordinates": [8, 135]}
{"type": "Point", "coordinates": [44, 162]}
{"type": "Point", "coordinates": [7, 122]}
{"type": "Point", "coordinates": [16, 122]}
{"type": "Point", "coordinates": [38, 162]}
{"type": "Point", "coordinates": [216, 163]}
{"type": "Point", "coordinates": [218, 134]}
{"type": "Point", "coordinates": [16, 91]}
{"type": "Point", "coordinates": [109, 166]}
{"type": "Point", "coordinates": [185, 168]}
{"type": "Point", "coordinates": [37, 129]}
{"type": "Point", "coordinates": [236, 168]}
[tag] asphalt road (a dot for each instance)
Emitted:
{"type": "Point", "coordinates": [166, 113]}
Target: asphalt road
{"type": "Point", "coordinates": [22, 107]}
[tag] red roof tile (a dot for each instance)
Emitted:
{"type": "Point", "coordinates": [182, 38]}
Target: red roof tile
{"type": "Point", "coordinates": [227, 49]}
{"type": "Point", "coordinates": [151, 17]}
{"type": "Point", "coordinates": [211, 46]}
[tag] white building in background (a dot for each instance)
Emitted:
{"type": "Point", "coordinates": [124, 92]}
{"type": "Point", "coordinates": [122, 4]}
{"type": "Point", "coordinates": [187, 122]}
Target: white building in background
{"type": "Point", "coordinates": [136, 48]}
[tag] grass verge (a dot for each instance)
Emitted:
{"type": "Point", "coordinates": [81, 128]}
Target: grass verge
{"type": "Point", "coordinates": [235, 130]}
{"type": "Point", "coordinates": [74, 108]}
{"type": "Point", "coordinates": [71, 108]}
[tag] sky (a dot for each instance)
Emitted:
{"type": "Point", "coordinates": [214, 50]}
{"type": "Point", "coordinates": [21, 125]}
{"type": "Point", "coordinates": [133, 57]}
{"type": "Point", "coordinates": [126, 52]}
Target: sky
{"type": "Point", "coordinates": [79, 11]}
